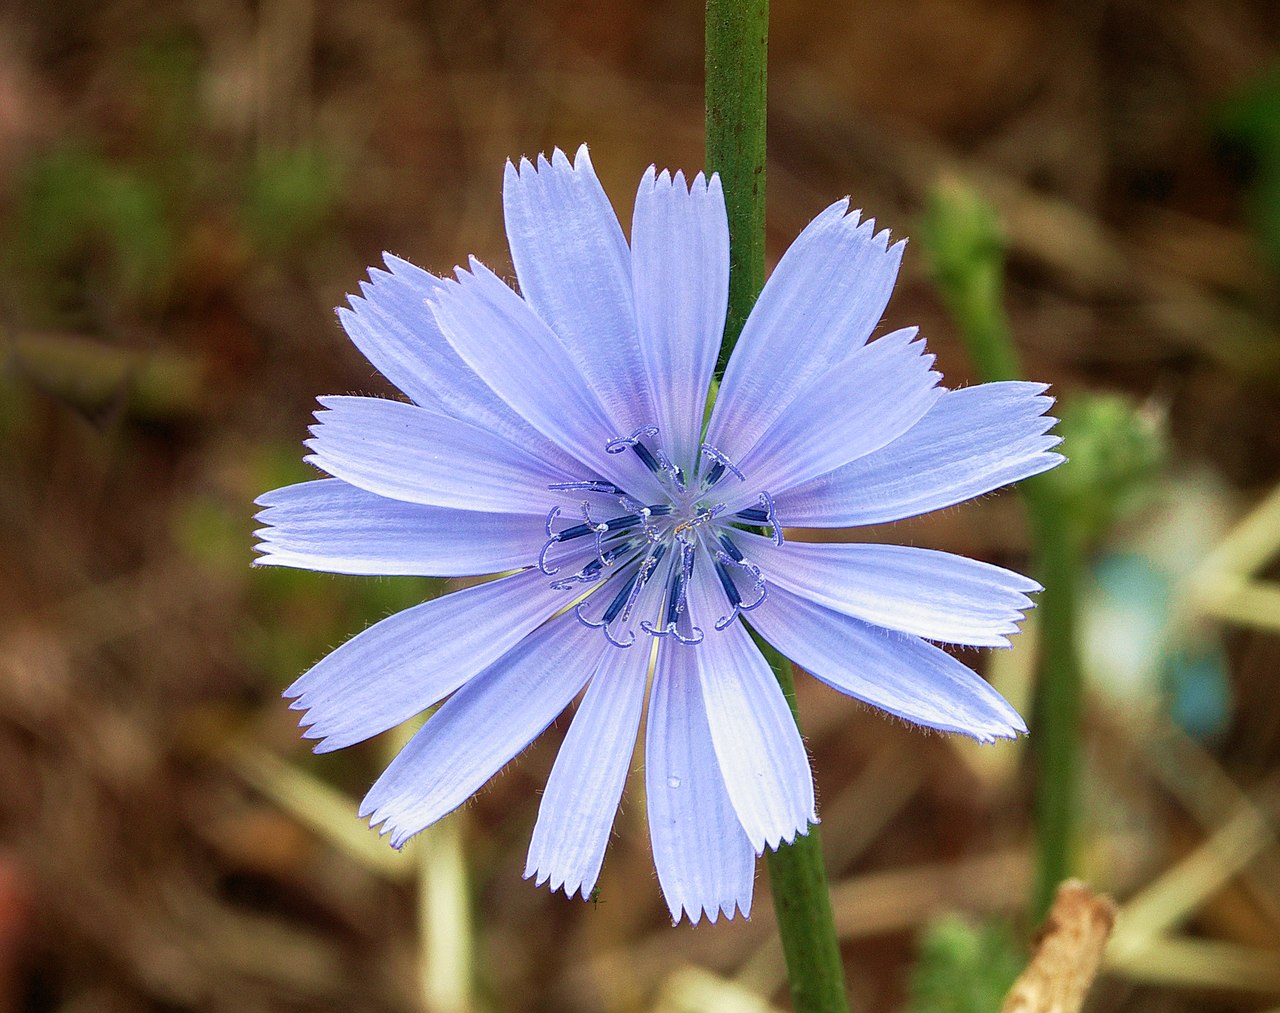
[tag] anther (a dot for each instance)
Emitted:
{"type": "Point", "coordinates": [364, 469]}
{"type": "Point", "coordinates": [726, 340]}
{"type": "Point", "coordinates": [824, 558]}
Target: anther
{"type": "Point", "coordinates": [733, 551]}
{"type": "Point", "coordinates": [674, 473]}
{"type": "Point", "coordinates": [771, 518]}
{"type": "Point", "coordinates": [676, 599]}
{"type": "Point", "coordinates": [720, 465]}
{"type": "Point", "coordinates": [620, 443]}
{"type": "Point", "coordinates": [604, 488]}
{"type": "Point", "coordinates": [543, 565]}
{"type": "Point", "coordinates": [737, 606]}
{"type": "Point", "coordinates": [763, 516]}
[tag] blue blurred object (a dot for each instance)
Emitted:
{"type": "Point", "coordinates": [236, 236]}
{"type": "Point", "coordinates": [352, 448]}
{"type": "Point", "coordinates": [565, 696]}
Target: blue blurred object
{"type": "Point", "coordinates": [1199, 691]}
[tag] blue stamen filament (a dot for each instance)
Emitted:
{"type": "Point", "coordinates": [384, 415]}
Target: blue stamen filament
{"type": "Point", "coordinates": [625, 552]}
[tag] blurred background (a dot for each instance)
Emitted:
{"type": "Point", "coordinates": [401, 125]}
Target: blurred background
{"type": "Point", "coordinates": [187, 189]}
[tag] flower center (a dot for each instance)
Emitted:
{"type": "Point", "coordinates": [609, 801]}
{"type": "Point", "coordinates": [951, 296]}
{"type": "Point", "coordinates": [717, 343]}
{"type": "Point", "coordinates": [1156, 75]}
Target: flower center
{"type": "Point", "coordinates": [633, 562]}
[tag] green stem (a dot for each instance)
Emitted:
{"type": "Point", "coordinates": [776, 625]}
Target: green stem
{"type": "Point", "coordinates": [963, 240]}
{"type": "Point", "coordinates": [802, 900]}
{"type": "Point", "coordinates": [1056, 712]}
{"type": "Point", "coordinates": [737, 39]}
{"type": "Point", "coordinates": [737, 46]}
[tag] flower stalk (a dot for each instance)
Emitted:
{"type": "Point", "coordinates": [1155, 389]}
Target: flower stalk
{"type": "Point", "coordinates": [963, 240]}
{"type": "Point", "coordinates": [802, 900]}
{"type": "Point", "coordinates": [737, 46]}
{"type": "Point", "coordinates": [736, 41]}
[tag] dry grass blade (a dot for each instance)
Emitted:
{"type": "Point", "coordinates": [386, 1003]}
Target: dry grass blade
{"type": "Point", "coordinates": [902, 899]}
{"type": "Point", "coordinates": [1225, 585]}
{"type": "Point", "coordinates": [313, 803]}
{"type": "Point", "coordinates": [1202, 963]}
{"type": "Point", "coordinates": [1177, 893]}
{"type": "Point", "coordinates": [444, 919]}
{"type": "Point", "coordinates": [694, 990]}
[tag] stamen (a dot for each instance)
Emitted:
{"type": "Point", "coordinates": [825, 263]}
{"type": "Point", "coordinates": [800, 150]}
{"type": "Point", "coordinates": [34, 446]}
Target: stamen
{"type": "Point", "coordinates": [589, 574]}
{"type": "Point", "coordinates": [543, 565]}
{"type": "Point", "coordinates": [646, 457]}
{"type": "Point", "coordinates": [675, 474]}
{"type": "Point", "coordinates": [624, 601]}
{"type": "Point", "coordinates": [656, 459]}
{"type": "Point", "coordinates": [730, 588]}
{"type": "Point", "coordinates": [717, 470]}
{"type": "Point", "coordinates": [615, 606]}
{"type": "Point", "coordinates": [628, 547]}
{"type": "Point", "coordinates": [737, 606]}
{"type": "Point", "coordinates": [763, 516]}
{"type": "Point", "coordinates": [633, 442]}
{"type": "Point", "coordinates": [734, 552]}
{"type": "Point", "coordinates": [771, 518]}
{"type": "Point", "coordinates": [604, 488]}
{"type": "Point", "coordinates": [593, 570]}
{"type": "Point", "coordinates": [620, 443]}
{"type": "Point", "coordinates": [676, 600]}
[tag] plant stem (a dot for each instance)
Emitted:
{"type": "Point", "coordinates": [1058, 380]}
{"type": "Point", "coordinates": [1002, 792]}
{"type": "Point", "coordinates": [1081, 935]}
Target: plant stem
{"type": "Point", "coordinates": [963, 240]}
{"type": "Point", "coordinates": [737, 46]}
{"type": "Point", "coordinates": [1056, 711]}
{"type": "Point", "coordinates": [737, 39]}
{"type": "Point", "coordinates": [802, 900]}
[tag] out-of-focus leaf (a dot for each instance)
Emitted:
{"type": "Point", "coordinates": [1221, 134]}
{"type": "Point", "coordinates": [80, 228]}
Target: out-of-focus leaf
{"type": "Point", "coordinates": [1115, 450]}
{"type": "Point", "coordinates": [964, 967]}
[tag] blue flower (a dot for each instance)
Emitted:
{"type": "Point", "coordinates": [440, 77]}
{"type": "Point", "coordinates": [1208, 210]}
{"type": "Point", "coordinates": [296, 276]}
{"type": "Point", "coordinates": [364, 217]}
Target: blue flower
{"type": "Point", "coordinates": [558, 433]}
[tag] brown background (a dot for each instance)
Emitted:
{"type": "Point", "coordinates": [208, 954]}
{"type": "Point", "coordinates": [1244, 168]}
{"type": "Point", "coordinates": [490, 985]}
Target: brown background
{"type": "Point", "coordinates": [187, 189]}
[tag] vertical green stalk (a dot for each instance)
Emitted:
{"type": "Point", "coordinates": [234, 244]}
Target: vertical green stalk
{"type": "Point", "coordinates": [737, 47]}
{"type": "Point", "coordinates": [1056, 712]}
{"type": "Point", "coordinates": [802, 900]}
{"type": "Point", "coordinates": [963, 240]}
{"type": "Point", "coordinates": [737, 39]}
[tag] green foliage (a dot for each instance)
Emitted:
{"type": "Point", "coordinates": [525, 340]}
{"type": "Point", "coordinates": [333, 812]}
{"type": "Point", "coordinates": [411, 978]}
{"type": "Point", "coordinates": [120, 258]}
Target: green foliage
{"type": "Point", "coordinates": [86, 230]}
{"type": "Point", "coordinates": [290, 195]}
{"type": "Point", "coordinates": [300, 614]}
{"type": "Point", "coordinates": [1116, 451]}
{"type": "Point", "coordinates": [13, 406]}
{"type": "Point", "coordinates": [964, 967]}
{"type": "Point", "coordinates": [97, 236]}
{"type": "Point", "coordinates": [167, 69]}
{"type": "Point", "coordinates": [1251, 119]}
{"type": "Point", "coordinates": [965, 248]}
{"type": "Point", "coordinates": [961, 233]}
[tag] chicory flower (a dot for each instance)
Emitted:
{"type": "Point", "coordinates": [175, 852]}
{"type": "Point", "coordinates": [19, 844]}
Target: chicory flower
{"type": "Point", "coordinates": [557, 436]}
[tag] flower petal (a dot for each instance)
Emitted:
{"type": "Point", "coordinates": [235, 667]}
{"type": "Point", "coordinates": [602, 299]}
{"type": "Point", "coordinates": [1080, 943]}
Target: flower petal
{"type": "Point", "coordinates": [332, 526]}
{"type": "Point", "coordinates": [505, 342]}
{"type": "Point", "coordinates": [823, 299]}
{"type": "Point", "coordinates": [860, 405]}
{"type": "Point", "coordinates": [763, 760]}
{"type": "Point", "coordinates": [395, 329]}
{"type": "Point", "coordinates": [412, 454]}
{"type": "Point", "coordinates": [409, 661]}
{"type": "Point", "coordinates": [971, 441]}
{"type": "Point", "coordinates": [901, 674]}
{"type": "Point", "coordinates": [574, 269]}
{"type": "Point", "coordinates": [581, 799]}
{"type": "Point", "coordinates": [704, 860]}
{"type": "Point", "coordinates": [931, 594]}
{"type": "Point", "coordinates": [481, 728]}
{"type": "Point", "coordinates": [680, 274]}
